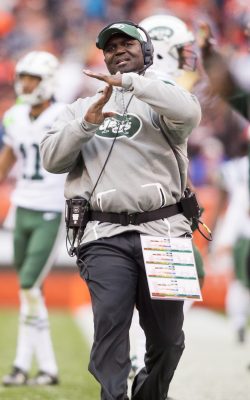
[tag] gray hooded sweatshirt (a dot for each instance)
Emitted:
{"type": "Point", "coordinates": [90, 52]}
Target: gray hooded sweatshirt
{"type": "Point", "coordinates": [147, 166]}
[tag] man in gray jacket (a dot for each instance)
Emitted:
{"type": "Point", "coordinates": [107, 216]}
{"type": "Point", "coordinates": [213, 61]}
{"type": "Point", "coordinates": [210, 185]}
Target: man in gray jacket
{"type": "Point", "coordinates": [125, 152]}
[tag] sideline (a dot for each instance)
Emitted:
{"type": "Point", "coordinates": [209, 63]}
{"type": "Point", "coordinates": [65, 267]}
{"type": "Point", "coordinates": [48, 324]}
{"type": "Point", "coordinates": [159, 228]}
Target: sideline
{"type": "Point", "coordinates": [213, 365]}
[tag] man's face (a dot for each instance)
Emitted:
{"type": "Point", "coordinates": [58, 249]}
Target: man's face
{"type": "Point", "coordinates": [124, 54]}
{"type": "Point", "coordinates": [28, 82]}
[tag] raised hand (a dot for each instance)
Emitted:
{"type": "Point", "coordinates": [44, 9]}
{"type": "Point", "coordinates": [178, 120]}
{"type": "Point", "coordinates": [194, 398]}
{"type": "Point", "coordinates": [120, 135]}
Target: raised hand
{"type": "Point", "coordinates": [205, 36]}
{"type": "Point", "coordinates": [95, 115]}
{"type": "Point", "coordinates": [113, 80]}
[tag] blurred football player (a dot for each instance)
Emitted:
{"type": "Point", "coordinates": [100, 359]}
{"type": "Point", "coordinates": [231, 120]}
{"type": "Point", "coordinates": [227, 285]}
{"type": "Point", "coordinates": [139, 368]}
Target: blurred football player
{"type": "Point", "coordinates": [38, 200]}
{"type": "Point", "coordinates": [229, 77]}
{"type": "Point", "coordinates": [173, 45]}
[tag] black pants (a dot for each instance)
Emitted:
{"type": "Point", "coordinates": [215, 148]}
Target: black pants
{"type": "Point", "coordinates": [114, 271]}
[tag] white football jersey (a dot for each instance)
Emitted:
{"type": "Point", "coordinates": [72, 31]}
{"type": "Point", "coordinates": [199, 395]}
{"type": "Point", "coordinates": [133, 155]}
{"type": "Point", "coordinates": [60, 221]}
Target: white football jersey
{"type": "Point", "coordinates": [234, 174]}
{"type": "Point", "coordinates": [36, 189]}
{"type": "Point", "coordinates": [236, 221]}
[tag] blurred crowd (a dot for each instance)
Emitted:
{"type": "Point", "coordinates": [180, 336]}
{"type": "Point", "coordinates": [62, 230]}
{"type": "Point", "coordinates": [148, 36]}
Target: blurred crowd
{"type": "Point", "coordinates": [68, 29]}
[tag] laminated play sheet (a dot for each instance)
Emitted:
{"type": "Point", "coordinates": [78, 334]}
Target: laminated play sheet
{"type": "Point", "coordinates": [170, 268]}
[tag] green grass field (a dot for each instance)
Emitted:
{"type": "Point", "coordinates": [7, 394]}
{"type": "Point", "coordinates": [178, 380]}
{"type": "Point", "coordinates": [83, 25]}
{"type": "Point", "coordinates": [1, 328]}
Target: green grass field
{"type": "Point", "coordinates": [72, 354]}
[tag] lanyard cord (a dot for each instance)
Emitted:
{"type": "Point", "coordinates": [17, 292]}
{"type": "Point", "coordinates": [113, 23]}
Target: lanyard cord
{"type": "Point", "coordinates": [110, 150]}
{"type": "Point", "coordinates": [86, 208]}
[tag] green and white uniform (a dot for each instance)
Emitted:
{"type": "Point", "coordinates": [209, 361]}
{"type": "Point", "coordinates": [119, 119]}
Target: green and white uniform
{"type": "Point", "coordinates": [235, 227]}
{"type": "Point", "coordinates": [38, 195]}
{"type": "Point", "coordinates": [39, 201]}
{"type": "Point", "coordinates": [234, 233]}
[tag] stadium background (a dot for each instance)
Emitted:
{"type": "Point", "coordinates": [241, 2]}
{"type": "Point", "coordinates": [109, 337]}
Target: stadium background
{"type": "Point", "coordinates": [68, 29]}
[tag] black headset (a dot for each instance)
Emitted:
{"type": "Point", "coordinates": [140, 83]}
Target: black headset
{"type": "Point", "coordinates": [147, 47]}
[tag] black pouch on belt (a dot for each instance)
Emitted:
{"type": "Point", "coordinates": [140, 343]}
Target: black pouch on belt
{"type": "Point", "coordinates": [190, 205]}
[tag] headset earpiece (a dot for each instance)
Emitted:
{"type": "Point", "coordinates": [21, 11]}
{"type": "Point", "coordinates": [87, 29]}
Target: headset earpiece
{"type": "Point", "coordinates": [147, 48]}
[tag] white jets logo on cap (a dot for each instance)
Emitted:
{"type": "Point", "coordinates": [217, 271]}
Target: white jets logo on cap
{"type": "Point", "coordinates": [118, 26]}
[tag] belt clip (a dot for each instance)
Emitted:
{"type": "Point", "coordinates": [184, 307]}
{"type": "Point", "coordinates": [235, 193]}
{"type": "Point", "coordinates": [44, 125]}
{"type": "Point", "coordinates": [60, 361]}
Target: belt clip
{"type": "Point", "coordinates": [127, 219]}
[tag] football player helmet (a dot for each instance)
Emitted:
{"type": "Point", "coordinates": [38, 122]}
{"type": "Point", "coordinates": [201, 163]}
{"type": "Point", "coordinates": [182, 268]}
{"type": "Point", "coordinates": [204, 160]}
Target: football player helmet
{"type": "Point", "coordinates": [172, 41]}
{"type": "Point", "coordinates": [43, 65]}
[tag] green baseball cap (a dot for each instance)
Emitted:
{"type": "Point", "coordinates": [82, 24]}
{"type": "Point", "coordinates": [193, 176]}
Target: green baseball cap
{"type": "Point", "coordinates": [119, 27]}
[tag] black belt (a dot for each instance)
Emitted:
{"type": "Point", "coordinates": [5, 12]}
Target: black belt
{"type": "Point", "coordinates": [125, 219]}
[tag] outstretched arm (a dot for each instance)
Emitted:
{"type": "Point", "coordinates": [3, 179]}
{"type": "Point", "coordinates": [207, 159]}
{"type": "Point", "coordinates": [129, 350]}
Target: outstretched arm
{"type": "Point", "coordinates": [215, 64]}
{"type": "Point", "coordinates": [222, 72]}
{"type": "Point", "coordinates": [178, 108]}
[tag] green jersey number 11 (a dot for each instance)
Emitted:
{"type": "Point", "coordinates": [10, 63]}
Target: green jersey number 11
{"type": "Point", "coordinates": [32, 162]}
